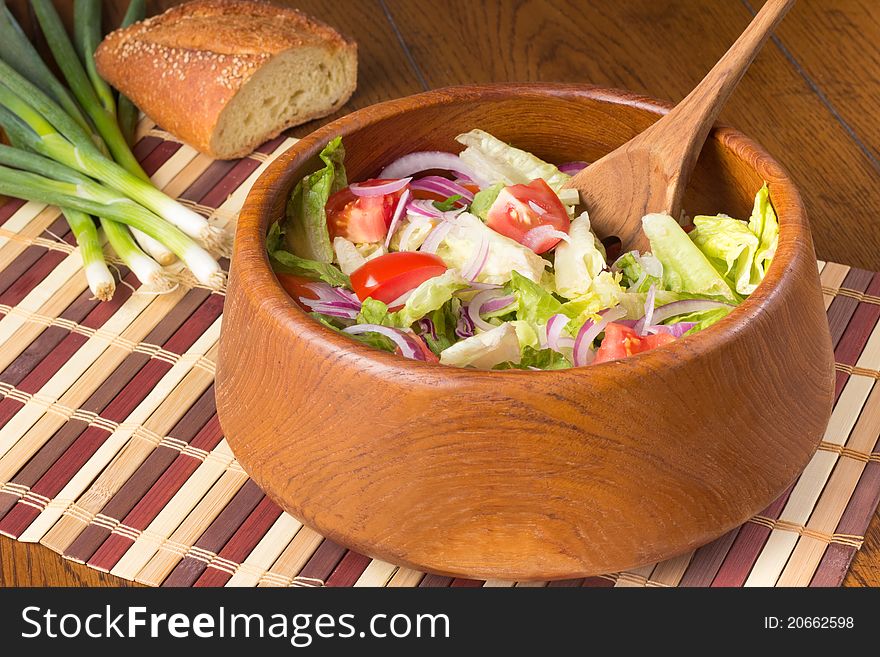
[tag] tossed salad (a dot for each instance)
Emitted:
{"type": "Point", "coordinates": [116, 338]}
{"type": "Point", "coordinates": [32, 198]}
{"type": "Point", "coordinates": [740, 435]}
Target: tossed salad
{"type": "Point", "coordinates": [482, 259]}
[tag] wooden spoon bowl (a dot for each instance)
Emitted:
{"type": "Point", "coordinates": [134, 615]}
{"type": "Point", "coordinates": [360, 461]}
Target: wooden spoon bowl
{"type": "Point", "coordinates": [522, 474]}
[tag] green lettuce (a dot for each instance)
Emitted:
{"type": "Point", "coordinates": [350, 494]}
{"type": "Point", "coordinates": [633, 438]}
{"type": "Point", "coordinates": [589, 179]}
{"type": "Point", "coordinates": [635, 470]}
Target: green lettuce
{"type": "Point", "coordinates": [685, 268]}
{"type": "Point", "coordinates": [730, 246]}
{"type": "Point", "coordinates": [542, 359]}
{"type": "Point", "coordinates": [764, 224]}
{"type": "Point", "coordinates": [501, 162]}
{"type": "Point", "coordinates": [375, 340]}
{"type": "Point", "coordinates": [640, 273]}
{"type": "Point", "coordinates": [704, 319]}
{"type": "Point", "coordinates": [485, 350]}
{"type": "Point", "coordinates": [579, 262]}
{"type": "Point", "coordinates": [534, 304]}
{"type": "Point", "coordinates": [374, 311]}
{"type": "Point", "coordinates": [484, 199]}
{"type": "Point", "coordinates": [444, 320]}
{"type": "Point", "coordinates": [285, 262]}
{"type": "Point", "coordinates": [307, 235]}
{"type": "Point", "coordinates": [429, 296]}
{"type": "Point", "coordinates": [505, 254]}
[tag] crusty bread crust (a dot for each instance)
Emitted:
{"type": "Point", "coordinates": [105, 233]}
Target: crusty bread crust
{"type": "Point", "coordinates": [184, 66]}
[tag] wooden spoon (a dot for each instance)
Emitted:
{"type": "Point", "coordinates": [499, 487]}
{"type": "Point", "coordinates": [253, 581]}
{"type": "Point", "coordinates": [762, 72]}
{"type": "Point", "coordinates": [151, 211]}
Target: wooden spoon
{"type": "Point", "coordinates": [650, 172]}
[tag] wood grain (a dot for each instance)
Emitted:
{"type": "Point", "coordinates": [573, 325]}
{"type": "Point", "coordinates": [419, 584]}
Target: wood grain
{"type": "Point", "coordinates": [474, 500]}
{"type": "Point", "coordinates": [660, 47]}
{"type": "Point", "coordinates": [650, 172]}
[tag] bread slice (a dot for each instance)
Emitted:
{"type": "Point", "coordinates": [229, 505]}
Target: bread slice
{"type": "Point", "coordinates": [227, 75]}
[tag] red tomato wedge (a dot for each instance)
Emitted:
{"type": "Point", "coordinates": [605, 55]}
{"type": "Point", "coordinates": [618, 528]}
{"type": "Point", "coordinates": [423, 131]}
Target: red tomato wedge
{"type": "Point", "coordinates": [392, 275]}
{"type": "Point", "coordinates": [521, 208]}
{"type": "Point", "coordinates": [361, 218]}
{"type": "Point", "coordinates": [621, 341]}
{"type": "Point", "coordinates": [298, 287]}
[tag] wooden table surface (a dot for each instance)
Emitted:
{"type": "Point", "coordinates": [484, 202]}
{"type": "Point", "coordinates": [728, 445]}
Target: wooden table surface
{"type": "Point", "coordinates": [811, 99]}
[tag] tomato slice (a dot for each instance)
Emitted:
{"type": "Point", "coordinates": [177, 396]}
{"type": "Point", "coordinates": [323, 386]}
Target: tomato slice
{"type": "Point", "coordinates": [361, 219]}
{"type": "Point", "coordinates": [621, 341]}
{"type": "Point", "coordinates": [298, 287]}
{"type": "Point", "coordinates": [392, 275]}
{"type": "Point", "coordinates": [521, 208]}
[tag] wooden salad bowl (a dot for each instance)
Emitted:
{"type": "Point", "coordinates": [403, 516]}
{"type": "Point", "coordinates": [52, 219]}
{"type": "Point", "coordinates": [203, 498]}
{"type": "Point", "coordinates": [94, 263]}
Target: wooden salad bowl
{"type": "Point", "coordinates": [524, 475]}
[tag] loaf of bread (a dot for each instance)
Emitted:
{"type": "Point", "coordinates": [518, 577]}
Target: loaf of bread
{"type": "Point", "coordinates": [227, 75]}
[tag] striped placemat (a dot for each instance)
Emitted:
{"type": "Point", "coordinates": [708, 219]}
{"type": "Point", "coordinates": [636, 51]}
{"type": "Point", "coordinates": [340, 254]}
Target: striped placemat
{"type": "Point", "coordinates": [111, 453]}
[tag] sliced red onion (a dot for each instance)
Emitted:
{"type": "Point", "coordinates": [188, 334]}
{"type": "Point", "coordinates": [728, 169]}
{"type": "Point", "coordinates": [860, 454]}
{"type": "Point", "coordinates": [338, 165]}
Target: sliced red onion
{"type": "Point", "coordinates": [565, 343]}
{"type": "Point", "coordinates": [554, 328]}
{"type": "Point", "coordinates": [537, 235]}
{"type": "Point", "coordinates": [398, 337]}
{"type": "Point", "coordinates": [582, 352]}
{"type": "Point", "coordinates": [398, 213]}
{"type": "Point", "coordinates": [359, 189]}
{"type": "Point", "coordinates": [406, 234]}
{"type": "Point", "coordinates": [423, 208]}
{"type": "Point", "coordinates": [402, 299]}
{"type": "Point", "coordinates": [475, 265]}
{"type": "Point", "coordinates": [335, 312]}
{"type": "Point", "coordinates": [572, 168]}
{"type": "Point", "coordinates": [648, 318]}
{"type": "Point", "coordinates": [426, 326]}
{"type": "Point", "coordinates": [432, 241]}
{"type": "Point", "coordinates": [675, 330]}
{"type": "Point", "coordinates": [494, 305]}
{"type": "Point", "coordinates": [537, 209]}
{"type": "Point", "coordinates": [329, 294]}
{"type": "Point", "coordinates": [443, 187]}
{"type": "Point", "coordinates": [464, 327]}
{"type": "Point", "coordinates": [427, 160]}
{"type": "Point", "coordinates": [475, 308]}
{"type": "Point", "coordinates": [685, 307]}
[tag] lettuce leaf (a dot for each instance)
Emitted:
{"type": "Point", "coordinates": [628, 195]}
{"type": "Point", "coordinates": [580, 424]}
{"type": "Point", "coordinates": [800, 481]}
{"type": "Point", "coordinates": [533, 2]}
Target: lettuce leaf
{"type": "Point", "coordinates": [579, 262]}
{"type": "Point", "coordinates": [347, 255]}
{"type": "Point", "coordinates": [505, 254]}
{"type": "Point", "coordinates": [730, 246]}
{"type": "Point", "coordinates": [501, 162]}
{"type": "Point", "coordinates": [764, 224]}
{"type": "Point", "coordinates": [534, 304]}
{"type": "Point", "coordinates": [704, 319]}
{"type": "Point", "coordinates": [443, 320]}
{"type": "Point", "coordinates": [374, 311]}
{"type": "Point", "coordinates": [485, 350]}
{"type": "Point", "coordinates": [685, 268]}
{"type": "Point", "coordinates": [285, 262]}
{"type": "Point", "coordinates": [640, 272]}
{"type": "Point", "coordinates": [542, 359]}
{"type": "Point", "coordinates": [307, 235]}
{"type": "Point", "coordinates": [375, 340]}
{"type": "Point", "coordinates": [484, 199]}
{"type": "Point", "coordinates": [429, 296]}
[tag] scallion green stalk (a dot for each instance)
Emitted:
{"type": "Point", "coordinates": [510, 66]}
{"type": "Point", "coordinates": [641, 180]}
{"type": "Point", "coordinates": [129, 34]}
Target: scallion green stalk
{"type": "Point", "coordinates": [97, 200]}
{"type": "Point", "coordinates": [103, 117]}
{"type": "Point", "coordinates": [71, 146]}
{"type": "Point", "coordinates": [148, 271]}
{"type": "Point", "coordinates": [87, 35]}
{"type": "Point", "coordinates": [20, 54]}
{"type": "Point", "coordinates": [98, 276]}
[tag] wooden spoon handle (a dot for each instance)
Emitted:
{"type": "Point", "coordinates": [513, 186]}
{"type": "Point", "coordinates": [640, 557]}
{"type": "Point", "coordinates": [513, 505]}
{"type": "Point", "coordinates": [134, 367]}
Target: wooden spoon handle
{"type": "Point", "coordinates": [695, 115]}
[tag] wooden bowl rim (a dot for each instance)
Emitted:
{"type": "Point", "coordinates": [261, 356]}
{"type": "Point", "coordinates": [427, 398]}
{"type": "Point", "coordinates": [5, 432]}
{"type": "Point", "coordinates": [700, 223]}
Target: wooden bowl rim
{"type": "Point", "coordinates": [251, 261]}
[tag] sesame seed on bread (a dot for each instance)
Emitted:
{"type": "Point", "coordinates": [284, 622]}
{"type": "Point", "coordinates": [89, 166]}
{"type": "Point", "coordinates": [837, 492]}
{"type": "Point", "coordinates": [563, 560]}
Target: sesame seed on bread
{"type": "Point", "coordinates": [227, 75]}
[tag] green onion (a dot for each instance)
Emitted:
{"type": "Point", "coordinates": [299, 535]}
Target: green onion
{"type": "Point", "coordinates": [148, 271]}
{"type": "Point", "coordinates": [107, 204]}
{"type": "Point", "coordinates": [103, 117]}
{"type": "Point", "coordinates": [40, 112]}
{"type": "Point", "coordinates": [126, 112]}
{"type": "Point", "coordinates": [87, 31]}
{"type": "Point", "coordinates": [99, 278]}
{"type": "Point", "coordinates": [18, 52]}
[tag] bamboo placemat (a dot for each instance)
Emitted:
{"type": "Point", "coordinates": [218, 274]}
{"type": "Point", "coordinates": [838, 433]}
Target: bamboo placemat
{"type": "Point", "coordinates": [111, 453]}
